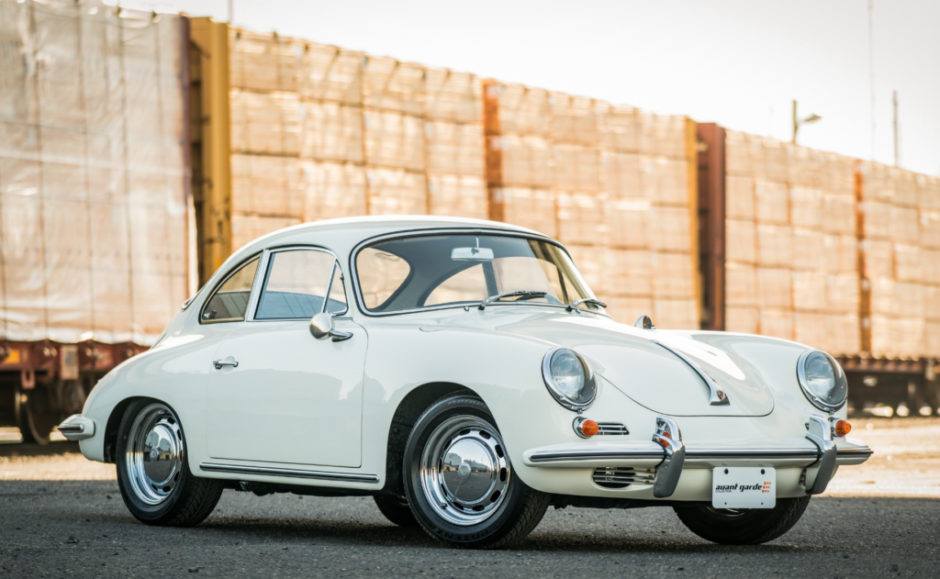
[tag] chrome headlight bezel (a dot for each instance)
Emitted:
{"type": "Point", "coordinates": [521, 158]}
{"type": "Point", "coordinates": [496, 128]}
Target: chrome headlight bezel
{"type": "Point", "coordinates": [589, 381]}
{"type": "Point", "coordinates": [804, 382]}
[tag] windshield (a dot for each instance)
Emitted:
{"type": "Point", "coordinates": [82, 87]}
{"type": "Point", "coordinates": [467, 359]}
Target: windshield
{"type": "Point", "coordinates": [459, 269]}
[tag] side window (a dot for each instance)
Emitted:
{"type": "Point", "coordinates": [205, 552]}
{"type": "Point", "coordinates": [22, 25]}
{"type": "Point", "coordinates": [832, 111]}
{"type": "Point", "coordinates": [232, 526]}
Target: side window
{"type": "Point", "coordinates": [230, 301]}
{"type": "Point", "coordinates": [298, 283]}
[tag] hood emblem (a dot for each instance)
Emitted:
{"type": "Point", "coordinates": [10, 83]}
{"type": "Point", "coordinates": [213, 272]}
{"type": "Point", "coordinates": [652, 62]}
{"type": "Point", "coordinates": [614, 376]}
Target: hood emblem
{"type": "Point", "coordinates": [716, 396]}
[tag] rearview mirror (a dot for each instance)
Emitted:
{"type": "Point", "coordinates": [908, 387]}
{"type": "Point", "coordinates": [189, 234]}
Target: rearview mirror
{"type": "Point", "coordinates": [471, 254]}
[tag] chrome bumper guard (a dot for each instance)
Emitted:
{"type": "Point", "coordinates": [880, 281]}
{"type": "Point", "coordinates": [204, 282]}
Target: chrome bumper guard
{"type": "Point", "coordinates": [77, 427]}
{"type": "Point", "coordinates": [669, 437]}
{"type": "Point", "coordinates": [819, 432]}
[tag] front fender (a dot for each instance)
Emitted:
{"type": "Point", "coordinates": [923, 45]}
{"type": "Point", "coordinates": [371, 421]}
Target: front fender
{"type": "Point", "coordinates": [175, 373]}
{"type": "Point", "coordinates": [504, 370]}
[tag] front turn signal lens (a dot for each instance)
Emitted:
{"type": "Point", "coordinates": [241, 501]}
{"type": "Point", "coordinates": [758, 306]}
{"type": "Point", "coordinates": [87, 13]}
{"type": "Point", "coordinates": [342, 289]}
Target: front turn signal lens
{"type": "Point", "coordinates": [841, 427]}
{"type": "Point", "coordinates": [589, 428]}
{"type": "Point", "coordinates": [585, 428]}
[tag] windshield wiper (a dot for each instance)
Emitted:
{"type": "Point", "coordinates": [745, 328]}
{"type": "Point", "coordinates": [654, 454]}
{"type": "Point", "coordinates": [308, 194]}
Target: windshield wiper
{"type": "Point", "coordinates": [521, 294]}
{"type": "Point", "coordinates": [593, 301]}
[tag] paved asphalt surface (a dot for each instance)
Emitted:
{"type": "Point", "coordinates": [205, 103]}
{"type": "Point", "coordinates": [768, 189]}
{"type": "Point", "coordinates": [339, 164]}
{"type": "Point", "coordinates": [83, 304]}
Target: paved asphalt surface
{"type": "Point", "coordinates": [82, 529]}
{"type": "Point", "coordinates": [878, 520]}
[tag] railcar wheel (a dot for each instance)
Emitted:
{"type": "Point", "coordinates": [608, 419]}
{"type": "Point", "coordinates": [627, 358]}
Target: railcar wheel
{"type": "Point", "coordinates": [396, 510]}
{"type": "Point", "coordinates": [36, 415]}
{"type": "Point", "coordinates": [153, 474]}
{"type": "Point", "coordinates": [459, 481]}
{"type": "Point", "coordinates": [743, 527]}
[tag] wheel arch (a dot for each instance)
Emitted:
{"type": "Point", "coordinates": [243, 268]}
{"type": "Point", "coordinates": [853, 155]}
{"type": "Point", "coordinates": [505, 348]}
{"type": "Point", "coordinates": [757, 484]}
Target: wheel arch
{"type": "Point", "coordinates": [406, 414]}
{"type": "Point", "coordinates": [114, 424]}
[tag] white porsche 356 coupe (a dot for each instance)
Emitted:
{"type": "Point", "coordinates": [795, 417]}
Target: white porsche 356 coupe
{"type": "Point", "coordinates": [463, 374]}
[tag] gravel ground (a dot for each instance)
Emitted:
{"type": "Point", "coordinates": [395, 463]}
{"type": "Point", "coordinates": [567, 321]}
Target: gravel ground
{"type": "Point", "coordinates": [881, 519]}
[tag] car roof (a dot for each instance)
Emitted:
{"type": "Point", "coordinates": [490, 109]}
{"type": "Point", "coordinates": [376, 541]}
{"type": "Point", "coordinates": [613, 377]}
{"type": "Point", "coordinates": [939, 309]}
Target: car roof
{"type": "Point", "coordinates": [342, 235]}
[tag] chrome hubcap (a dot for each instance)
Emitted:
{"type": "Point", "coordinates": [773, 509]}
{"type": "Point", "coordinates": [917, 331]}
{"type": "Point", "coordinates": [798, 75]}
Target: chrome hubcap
{"type": "Point", "coordinates": [154, 454]}
{"type": "Point", "coordinates": [464, 470]}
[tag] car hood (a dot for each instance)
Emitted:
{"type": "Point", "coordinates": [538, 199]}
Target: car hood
{"type": "Point", "coordinates": [651, 375]}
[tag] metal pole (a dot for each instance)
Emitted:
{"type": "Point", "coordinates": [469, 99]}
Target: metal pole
{"type": "Point", "coordinates": [895, 104]}
{"type": "Point", "coordinates": [796, 124]}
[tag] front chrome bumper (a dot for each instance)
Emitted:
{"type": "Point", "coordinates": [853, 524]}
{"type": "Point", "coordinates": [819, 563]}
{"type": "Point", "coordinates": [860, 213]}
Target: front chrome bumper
{"type": "Point", "coordinates": [77, 427]}
{"type": "Point", "coordinates": [820, 455]}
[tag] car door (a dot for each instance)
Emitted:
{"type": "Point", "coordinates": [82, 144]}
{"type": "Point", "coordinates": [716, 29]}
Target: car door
{"type": "Point", "coordinates": [279, 395]}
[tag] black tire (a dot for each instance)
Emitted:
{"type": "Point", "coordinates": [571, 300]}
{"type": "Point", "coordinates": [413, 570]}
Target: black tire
{"type": "Point", "coordinates": [36, 415]}
{"type": "Point", "coordinates": [397, 511]}
{"type": "Point", "coordinates": [512, 515]}
{"type": "Point", "coordinates": [185, 500]}
{"type": "Point", "coordinates": [746, 527]}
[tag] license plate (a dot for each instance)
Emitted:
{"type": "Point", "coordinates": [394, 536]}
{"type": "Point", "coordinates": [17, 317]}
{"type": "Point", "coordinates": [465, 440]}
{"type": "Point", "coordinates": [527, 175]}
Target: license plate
{"type": "Point", "coordinates": [744, 488]}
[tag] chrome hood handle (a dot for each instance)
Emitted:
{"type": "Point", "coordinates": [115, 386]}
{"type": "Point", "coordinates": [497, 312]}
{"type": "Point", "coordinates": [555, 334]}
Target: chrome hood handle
{"type": "Point", "coordinates": [716, 396]}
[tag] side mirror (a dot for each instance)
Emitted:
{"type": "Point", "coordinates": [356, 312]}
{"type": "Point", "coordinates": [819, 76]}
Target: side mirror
{"type": "Point", "coordinates": [321, 326]}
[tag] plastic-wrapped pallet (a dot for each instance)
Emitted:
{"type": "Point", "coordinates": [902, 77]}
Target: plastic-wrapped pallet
{"type": "Point", "coordinates": [929, 208]}
{"type": "Point", "coordinates": [454, 144]}
{"type": "Point", "coordinates": [94, 190]}
{"type": "Point", "coordinates": [894, 277]}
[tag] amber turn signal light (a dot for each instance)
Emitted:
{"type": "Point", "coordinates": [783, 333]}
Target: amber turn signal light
{"type": "Point", "coordinates": [841, 428]}
{"type": "Point", "coordinates": [585, 428]}
{"type": "Point", "coordinates": [589, 428]}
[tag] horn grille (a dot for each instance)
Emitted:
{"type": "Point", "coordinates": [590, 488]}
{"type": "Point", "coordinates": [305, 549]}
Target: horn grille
{"type": "Point", "coordinates": [619, 477]}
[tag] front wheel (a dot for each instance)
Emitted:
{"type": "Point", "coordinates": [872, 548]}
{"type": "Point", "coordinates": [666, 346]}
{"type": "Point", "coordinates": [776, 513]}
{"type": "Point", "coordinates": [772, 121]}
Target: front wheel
{"type": "Point", "coordinates": [743, 527]}
{"type": "Point", "coordinates": [459, 481]}
{"type": "Point", "coordinates": [153, 473]}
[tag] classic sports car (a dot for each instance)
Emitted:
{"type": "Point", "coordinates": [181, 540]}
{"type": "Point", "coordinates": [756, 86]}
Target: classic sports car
{"type": "Point", "coordinates": [463, 374]}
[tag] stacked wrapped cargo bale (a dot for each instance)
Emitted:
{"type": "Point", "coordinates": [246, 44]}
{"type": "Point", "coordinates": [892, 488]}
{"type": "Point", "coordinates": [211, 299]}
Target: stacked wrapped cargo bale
{"type": "Point", "coordinates": [519, 167]}
{"type": "Point", "coordinates": [94, 180]}
{"type": "Point", "coordinates": [610, 182]}
{"type": "Point", "coordinates": [668, 177]}
{"type": "Point", "coordinates": [895, 260]}
{"type": "Point", "coordinates": [266, 120]}
{"type": "Point", "coordinates": [825, 262]}
{"type": "Point", "coordinates": [929, 207]}
{"type": "Point", "coordinates": [320, 132]}
{"type": "Point", "coordinates": [840, 242]}
{"type": "Point", "coordinates": [791, 264]}
{"type": "Point", "coordinates": [758, 276]}
{"type": "Point", "coordinates": [393, 95]}
{"type": "Point", "coordinates": [453, 131]}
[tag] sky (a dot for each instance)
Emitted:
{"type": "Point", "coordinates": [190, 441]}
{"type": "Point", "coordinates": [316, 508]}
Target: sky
{"type": "Point", "coordinates": [739, 63]}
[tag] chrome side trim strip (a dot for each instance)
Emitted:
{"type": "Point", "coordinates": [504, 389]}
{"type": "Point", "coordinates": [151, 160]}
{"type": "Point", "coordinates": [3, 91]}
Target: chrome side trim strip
{"type": "Point", "coordinates": [695, 454]}
{"type": "Point", "coordinates": [595, 455]}
{"type": "Point", "coordinates": [71, 428]}
{"type": "Point", "coordinates": [702, 453]}
{"type": "Point", "coordinates": [716, 396]}
{"type": "Point", "coordinates": [289, 472]}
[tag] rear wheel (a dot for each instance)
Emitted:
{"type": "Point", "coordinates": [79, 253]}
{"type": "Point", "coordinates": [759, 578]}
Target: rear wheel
{"type": "Point", "coordinates": [459, 481]}
{"type": "Point", "coordinates": [153, 473]}
{"type": "Point", "coordinates": [396, 510]}
{"type": "Point", "coordinates": [743, 527]}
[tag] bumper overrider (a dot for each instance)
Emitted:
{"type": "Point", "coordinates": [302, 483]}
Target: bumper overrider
{"type": "Point", "coordinates": [670, 457]}
{"type": "Point", "coordinates": [77, 427]}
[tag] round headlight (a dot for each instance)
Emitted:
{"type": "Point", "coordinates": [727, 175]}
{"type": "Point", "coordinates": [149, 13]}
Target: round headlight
{"type": "Point", "coordinates": [822, 380]}
{"type": "Point", "coordinates": [569, 378]}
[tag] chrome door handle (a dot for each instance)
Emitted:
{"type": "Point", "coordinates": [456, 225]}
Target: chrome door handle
{"type": "Point", "coordinates": [219, 363]}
